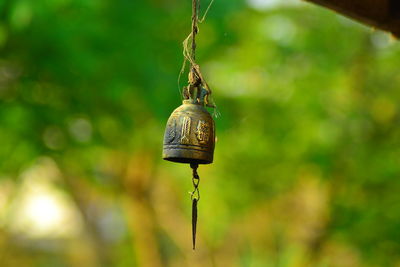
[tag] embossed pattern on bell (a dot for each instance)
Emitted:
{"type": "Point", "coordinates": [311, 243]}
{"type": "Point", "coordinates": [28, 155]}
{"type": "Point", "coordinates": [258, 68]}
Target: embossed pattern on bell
{"type": "Point", "coordinates": [203, 132]}
{"type": "Point", "coordinates": [190, 135]}
{"type": "Point", "coordinates": [170, 134]}
{"type": "Point", "coordinates": [185, 130]}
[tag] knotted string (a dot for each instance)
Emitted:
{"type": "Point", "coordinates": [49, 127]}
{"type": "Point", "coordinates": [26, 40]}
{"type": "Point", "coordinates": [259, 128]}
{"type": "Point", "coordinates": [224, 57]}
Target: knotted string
{"type": "Point", "coordinates": [196, 79]}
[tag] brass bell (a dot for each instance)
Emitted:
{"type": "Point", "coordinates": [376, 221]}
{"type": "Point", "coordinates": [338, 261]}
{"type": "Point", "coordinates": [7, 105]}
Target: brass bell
{"type": "Point", "coordinates": [190, 134]}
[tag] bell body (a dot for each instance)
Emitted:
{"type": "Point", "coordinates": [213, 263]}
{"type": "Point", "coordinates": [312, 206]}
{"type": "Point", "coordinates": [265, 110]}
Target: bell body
{"type": "Point", "coordinates": [190, 135]}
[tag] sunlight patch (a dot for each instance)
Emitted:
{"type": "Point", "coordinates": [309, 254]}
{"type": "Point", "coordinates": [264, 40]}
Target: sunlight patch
{"type": "Point", "coordinates": [270, 4]}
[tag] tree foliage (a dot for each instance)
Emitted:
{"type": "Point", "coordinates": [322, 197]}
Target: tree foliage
{"type": "Point", "coordinates": [307, 159]}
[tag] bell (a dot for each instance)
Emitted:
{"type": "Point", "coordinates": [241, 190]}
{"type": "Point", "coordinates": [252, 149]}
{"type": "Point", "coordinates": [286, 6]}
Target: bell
{"type": "Point", "coordinates": [190, 134]}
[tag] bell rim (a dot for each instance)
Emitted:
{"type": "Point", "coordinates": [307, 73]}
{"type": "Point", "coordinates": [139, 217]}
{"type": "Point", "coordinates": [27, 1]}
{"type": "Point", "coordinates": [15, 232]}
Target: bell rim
{"type": "Point", "coordinates": [187, 160]}
{"type": "Point", "coordinates": [176, 155]}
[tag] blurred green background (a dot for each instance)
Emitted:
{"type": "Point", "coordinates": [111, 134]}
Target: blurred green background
{"type": "Point", "coordinates": [307, 161]}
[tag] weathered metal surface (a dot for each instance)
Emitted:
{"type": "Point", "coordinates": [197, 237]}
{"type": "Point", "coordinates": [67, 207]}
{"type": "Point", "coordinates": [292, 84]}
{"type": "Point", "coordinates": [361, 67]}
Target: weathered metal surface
{"type": "Point", "coordinates": [381, 14]}
{"type": "Point", "coordinates": [190, 135]}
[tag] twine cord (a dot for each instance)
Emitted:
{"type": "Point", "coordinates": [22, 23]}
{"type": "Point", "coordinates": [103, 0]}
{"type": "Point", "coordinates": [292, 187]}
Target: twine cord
{"type": "Point", "coordinates": [196, 78]}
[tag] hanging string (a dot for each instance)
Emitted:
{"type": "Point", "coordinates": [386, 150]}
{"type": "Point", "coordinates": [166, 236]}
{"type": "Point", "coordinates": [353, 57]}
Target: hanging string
{"type": "Point", "coordinates": [195, 196]}
{"type": "Point", "coordinates": [195, 20]}
{"type": "Point", "coordinates": [196, 79]}
{"type": "Point", "coordinates": [205, 13]}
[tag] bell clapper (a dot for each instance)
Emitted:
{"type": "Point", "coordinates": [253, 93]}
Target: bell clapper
{"type": "Point", "coordinates": [195, 196]}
